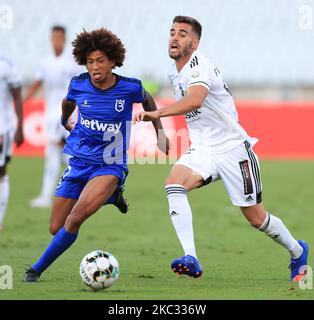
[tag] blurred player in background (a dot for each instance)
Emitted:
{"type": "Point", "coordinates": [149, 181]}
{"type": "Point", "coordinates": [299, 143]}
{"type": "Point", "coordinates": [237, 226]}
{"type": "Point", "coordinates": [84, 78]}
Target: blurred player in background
{"type": "Point", "coordinates": [220, 149]}
{"type": "Point", "coordinates": [54, 74]}
{"type": "Point", "coordinates": [99, 141]}
{"type": "Point", "coordinates": [10, 94]}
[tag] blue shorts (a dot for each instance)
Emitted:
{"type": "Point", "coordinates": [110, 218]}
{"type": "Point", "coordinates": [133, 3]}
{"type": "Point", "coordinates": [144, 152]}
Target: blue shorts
{"type": "Point", "coordinates": [78, 173]}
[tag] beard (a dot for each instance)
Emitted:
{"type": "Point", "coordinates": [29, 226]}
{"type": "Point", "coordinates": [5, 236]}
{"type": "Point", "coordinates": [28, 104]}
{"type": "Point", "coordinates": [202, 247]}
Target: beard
{"type": "Point", "coordinates": [181, 53]}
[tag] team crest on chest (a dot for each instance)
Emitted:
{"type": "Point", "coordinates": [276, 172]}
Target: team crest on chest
{"type": "Point", "coordinates": [85, 104]}
{"type": "Point", "coordinates": [119, 105]}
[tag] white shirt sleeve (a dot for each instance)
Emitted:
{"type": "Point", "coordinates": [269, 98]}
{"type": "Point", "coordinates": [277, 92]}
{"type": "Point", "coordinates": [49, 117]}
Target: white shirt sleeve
{"type": "Point", "coordinates": [39, 74]}
{"type": "Point", "coordinates": [13, 78]}
{"type": "Point", "coordinates": [201, 73]}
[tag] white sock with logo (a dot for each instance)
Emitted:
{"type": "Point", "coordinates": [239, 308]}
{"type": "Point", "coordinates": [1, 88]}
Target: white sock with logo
{"type": "Point", "coordinates": [51, 170]}
{"type": "Point", "coordinates": [275, 229]}
{"type": "Point", "coordinates": [181, 216]}
{"type": "Point", "coordinates": [4, 196]}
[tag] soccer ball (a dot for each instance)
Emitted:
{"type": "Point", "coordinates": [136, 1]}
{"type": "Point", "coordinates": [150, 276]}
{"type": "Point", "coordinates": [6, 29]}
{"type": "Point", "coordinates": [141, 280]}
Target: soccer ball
{"type": "Point", "coordinates": [99, 269]}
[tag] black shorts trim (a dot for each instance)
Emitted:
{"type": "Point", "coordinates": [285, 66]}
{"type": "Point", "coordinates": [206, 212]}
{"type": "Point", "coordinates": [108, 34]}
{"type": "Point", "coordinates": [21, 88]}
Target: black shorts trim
{"type": "Point", "coordinates": [255, 171]}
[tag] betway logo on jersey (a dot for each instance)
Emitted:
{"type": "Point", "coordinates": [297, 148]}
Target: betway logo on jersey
{"type": "Point", "coordinates": [192, 114]}
{"type": "Point", "coordinates": [101, 126]}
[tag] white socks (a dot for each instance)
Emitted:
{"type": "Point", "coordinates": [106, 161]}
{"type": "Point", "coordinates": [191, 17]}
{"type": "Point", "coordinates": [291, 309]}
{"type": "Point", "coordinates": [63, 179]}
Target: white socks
{"type": "Point", "coordinates": [275, 229]}
{"type": "Point", "coordinates": [51, 170]}
{"type": "Point", "coordinates": [4, 196]}
{"type": "Point", "coordinates": [181, 216]}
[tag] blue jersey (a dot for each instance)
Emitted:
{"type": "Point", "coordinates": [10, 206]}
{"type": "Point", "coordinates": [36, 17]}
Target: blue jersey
{"type": "Point", "coordinates": [102, 132]}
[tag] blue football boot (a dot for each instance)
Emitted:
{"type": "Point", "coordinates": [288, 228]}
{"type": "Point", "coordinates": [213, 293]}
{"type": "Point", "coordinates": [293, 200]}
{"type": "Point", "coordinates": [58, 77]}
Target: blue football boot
{"type": "Point", "coordinates": [296, 273]}
{"type": "Point", "coordinates": [187, 265]}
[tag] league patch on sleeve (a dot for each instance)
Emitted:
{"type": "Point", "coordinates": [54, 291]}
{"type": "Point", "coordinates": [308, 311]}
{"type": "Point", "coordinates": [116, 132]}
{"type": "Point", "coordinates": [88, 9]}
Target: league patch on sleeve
{"type": "Point", "coordinates": [195, 74]}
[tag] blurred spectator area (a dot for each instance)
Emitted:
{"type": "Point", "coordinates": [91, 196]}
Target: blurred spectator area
{"type": "Point", "coordinates": [264, 49]}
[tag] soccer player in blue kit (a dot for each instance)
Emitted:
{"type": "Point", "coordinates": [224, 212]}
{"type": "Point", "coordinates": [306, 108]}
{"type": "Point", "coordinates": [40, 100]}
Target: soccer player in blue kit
{"type": "Point", "coordinates": [99, 141]}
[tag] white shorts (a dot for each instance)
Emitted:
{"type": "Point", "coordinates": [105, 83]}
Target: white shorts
{"type": "Point", "coordinates": [238, 169]}
{"type": "Point", "coordinates": [6, 146]}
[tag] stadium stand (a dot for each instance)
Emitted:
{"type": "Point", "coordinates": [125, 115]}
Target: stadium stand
{"type": "Point", "coordinates": [255, 44]}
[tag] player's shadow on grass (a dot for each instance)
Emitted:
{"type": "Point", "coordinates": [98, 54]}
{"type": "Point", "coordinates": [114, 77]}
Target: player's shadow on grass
{"type": "Point", "coordinates": [104, 291]}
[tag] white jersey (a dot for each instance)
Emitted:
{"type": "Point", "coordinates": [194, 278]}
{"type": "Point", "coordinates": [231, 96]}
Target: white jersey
{"type": "Point", "coordinates": [55, 72]}
{"type": "Point", "coordinates": [215, 124]}
{"type": "Point", "coordinates": [9, 79]}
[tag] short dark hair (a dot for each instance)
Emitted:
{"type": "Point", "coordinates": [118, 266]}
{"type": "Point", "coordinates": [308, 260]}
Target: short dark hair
{"type": "Point", "coordinates": [101, 39]}
{"type": "Point", "coordinates": [196, 26]}
{"type": "Point", "coordinates": [58, 28]}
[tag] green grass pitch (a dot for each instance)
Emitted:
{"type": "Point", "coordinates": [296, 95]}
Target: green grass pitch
{"type": "Point", "coordinates": [239, 262]}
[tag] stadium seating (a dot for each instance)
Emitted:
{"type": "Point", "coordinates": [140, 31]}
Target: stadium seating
{"type": "Point", "coordinates": [255, 44]}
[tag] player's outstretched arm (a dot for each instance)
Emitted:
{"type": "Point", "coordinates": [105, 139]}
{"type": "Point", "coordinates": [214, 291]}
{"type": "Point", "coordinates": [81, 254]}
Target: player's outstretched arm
{"type": "Point", "coordinates": [192, 101]}
{"type": "Point", "coordinates": [68, 107]}
{"type": "Point", "coordinates": [17, 98]}
{"type": "Point", "coordinates": [149, 105]}
{"type": "Point", "coordinates": [33, 89]}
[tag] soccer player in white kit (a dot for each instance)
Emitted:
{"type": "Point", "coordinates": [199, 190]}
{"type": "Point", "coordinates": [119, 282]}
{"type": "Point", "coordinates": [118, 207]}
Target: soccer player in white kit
{"type": "Point", "coordinates": [220, 150]}
{"type": "Point", "coordinates": [10, 129]}
{"type": "Point", "coordinates": [54, 74]}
